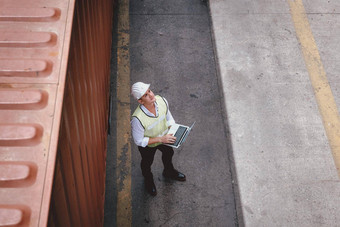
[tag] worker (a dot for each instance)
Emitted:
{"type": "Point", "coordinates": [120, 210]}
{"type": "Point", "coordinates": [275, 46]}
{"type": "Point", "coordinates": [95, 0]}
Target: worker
{"type": "Point", "coordinates": [150, 123]}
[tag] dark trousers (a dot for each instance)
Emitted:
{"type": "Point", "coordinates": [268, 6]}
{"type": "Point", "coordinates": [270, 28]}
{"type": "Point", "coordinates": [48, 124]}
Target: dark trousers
{"type": "Point", "coordinates": [148, 154]}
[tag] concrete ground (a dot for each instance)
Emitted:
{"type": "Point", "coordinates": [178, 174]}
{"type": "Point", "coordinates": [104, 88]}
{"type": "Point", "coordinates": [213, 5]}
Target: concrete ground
{"type": "Point", "coordinates": [260, 80]}
{"type": "Point", "coordinates": [273, 81]}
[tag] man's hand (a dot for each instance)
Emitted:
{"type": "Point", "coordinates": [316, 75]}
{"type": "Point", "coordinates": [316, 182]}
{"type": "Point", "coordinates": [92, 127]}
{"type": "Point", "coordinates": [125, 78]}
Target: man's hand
{"type": "Point", "coordinates": [169, 138]}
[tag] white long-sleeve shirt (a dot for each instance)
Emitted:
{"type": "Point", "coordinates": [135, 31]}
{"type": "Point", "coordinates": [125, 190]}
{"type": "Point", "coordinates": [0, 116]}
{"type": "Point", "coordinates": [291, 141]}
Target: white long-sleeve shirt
{"type": "Point", "coordinates": [138, 129]}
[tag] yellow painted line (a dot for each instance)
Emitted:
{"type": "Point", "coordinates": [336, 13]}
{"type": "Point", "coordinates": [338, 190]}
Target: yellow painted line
{"type": "Point", "coordinates": [318, 77]}
{"type": "Point", "coordinates": [124, 209]}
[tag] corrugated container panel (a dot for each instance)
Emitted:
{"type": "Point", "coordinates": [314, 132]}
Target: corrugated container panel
{"type": "Point", "coordinates": [34, 46]}
{"type": "Point", "coordinates": [34, 50]}
{"type": "Point", "coordinates": [78, 192]}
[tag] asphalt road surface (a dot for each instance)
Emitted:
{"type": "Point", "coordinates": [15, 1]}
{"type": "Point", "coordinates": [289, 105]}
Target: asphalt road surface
{"type": "Point", "coordinates": [171, 47]}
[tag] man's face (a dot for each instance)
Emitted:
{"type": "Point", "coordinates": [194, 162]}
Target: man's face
{"type": "Point", "coordinates": [148, 98]}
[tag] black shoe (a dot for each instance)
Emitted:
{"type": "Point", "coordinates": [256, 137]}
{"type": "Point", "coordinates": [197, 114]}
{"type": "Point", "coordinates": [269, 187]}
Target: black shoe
{"type": "Point", "coordinates": [150, 187]}
{"type": "Point", "coordinates": [174, 175]}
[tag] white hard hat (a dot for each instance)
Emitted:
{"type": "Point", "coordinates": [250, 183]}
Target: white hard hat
{"type": "Point", "coordinates": [139, 89]}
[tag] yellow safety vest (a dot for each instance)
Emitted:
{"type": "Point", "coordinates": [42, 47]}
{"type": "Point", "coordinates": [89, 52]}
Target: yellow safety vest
{"type": "Point", "coordinates": [154, 126]}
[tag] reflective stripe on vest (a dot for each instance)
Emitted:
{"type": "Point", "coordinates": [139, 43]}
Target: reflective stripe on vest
{"type": "Point", "coordinates": [154, 126]}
